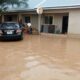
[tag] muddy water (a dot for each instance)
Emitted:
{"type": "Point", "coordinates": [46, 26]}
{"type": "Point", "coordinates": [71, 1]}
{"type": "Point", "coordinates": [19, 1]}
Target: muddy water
{"type": "Point", "coordinates": [40, 58]}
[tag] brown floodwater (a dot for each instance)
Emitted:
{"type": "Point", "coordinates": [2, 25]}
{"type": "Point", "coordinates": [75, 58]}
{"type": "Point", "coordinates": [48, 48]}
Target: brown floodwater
{"type": "Point", "coordinates": [40, 57]}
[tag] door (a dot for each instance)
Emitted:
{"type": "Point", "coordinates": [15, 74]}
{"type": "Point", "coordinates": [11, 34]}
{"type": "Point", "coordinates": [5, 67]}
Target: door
{"type": "Point", "coordinates": [65, 25]}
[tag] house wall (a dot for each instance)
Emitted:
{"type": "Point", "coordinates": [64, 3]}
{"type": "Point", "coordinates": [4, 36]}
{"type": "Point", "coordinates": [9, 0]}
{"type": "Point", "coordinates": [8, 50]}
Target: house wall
{"type": "Point", "coordinates": [34, 21]}
{"type": "Point", "coordinates": [57, 19]}
{"type": "Point", "coordinates": [74, 22]}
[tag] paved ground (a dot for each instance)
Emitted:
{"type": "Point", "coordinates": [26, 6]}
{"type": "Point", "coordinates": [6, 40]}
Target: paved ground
{"type": "Point", "coordinates": [40, 58]}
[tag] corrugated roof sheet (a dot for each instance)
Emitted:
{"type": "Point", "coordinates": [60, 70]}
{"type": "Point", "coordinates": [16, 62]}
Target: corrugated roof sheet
{"type": "Point", "coordinates": [58, 3]}
{"type": "Point", "coordinates": [32, 4]}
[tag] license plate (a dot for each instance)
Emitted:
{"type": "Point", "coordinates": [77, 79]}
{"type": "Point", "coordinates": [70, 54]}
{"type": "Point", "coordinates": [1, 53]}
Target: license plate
{"type": "Point", "coordinates": [9, 32]}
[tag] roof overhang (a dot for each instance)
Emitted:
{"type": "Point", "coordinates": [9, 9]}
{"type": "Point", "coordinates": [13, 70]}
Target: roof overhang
{"type": "Point", "coordinates": [62, 7]}
{"type": "Point", "coordinates": [44, 8]}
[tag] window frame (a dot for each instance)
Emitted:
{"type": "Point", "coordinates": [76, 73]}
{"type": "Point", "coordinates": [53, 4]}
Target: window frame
{"type": "Point", "coordinates": [48, 19]}
{"type": "Point", "coordinates": [28, 17]}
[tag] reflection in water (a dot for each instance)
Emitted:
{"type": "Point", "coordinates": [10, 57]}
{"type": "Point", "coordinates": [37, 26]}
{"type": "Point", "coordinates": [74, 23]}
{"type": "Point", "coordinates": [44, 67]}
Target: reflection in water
{"type": "Point", "coordinates": [31, 57]}
{"type": "Point", "coordinates": [39, 69]}
{"type": "Point", "coordinates": [32, 64]}
{"type": "Point", "coordinates": [32, 61]}
{"type": "Point", "coordinates": [40, 58]}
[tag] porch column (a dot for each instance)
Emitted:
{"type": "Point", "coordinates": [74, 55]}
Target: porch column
{"type": "Point", "coordinates": [2, 18]}
{"type": "Point", "coordinates": [19, 17]}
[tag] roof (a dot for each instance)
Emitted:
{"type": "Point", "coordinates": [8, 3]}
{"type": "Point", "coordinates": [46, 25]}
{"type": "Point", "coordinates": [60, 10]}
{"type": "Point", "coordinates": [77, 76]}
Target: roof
{"type": "Point", "coordinates": [49, 4]}
{"type": "Point", "coordinates": [60, 3]}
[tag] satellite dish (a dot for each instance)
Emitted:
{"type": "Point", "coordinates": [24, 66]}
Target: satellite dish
{"type": "Point", "coordinates": [39, 10]}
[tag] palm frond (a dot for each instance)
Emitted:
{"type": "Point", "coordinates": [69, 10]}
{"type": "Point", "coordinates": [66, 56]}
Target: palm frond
{"type": "Point", "coordinates": [5, 3]}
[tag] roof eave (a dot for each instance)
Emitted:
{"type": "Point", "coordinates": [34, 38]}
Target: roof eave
{"type": "Point", "coordinates": [47, 8]}
{"type": "Point", "coordinates": [27, 10]}
{"type": "Point", "coordinates": [62, 7]}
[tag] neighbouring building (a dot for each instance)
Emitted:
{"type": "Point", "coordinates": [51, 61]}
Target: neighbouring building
{"type": "Point", "coordinates": [62, 16]}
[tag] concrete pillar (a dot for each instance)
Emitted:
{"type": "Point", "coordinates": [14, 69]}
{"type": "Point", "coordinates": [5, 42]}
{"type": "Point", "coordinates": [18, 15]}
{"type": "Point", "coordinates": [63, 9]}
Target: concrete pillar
{"type": "Point", "coordinates": [19, 17]}
{"type": "Point", "coordinates": [2, 18]}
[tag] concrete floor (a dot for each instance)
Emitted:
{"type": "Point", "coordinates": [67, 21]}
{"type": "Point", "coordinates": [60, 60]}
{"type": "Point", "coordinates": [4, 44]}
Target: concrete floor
{"type": "Point", "coordinates": [40, 58]}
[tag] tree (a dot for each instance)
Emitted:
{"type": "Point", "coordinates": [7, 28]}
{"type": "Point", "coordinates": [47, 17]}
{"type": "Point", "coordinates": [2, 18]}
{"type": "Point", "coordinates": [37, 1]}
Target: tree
{"type": "Point", "coordinates": [5, 4]}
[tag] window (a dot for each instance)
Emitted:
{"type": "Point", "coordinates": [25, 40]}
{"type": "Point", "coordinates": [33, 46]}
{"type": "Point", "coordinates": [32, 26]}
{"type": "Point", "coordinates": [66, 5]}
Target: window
{"type": "Point", "coordinates": [27, 19]}
{"type": "Point", "coordinates": [9, 18]}
{"type": "Point", "coordinates": [48, 19]}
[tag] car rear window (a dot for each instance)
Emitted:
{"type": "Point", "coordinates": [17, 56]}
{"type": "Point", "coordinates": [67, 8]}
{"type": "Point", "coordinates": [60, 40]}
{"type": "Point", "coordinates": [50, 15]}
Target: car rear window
{"type": "Point", "coordinates": [10, 25]}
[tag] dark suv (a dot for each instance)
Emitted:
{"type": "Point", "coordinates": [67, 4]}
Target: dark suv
{"type": "Point", "coordinates": [11, 31]}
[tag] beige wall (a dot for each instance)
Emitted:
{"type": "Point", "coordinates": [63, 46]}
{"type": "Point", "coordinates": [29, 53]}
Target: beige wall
{"type": "Point", "coordinates": [74, 19]}
{"type": "Point", "coordinates": [34, 21]}
{"type": "Point", "coordinates": [57, 20]}
{"type": "Point", "coordinates": [74, 22]}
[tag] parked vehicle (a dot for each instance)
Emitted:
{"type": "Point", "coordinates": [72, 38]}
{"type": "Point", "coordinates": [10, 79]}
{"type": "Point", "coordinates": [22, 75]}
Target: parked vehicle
{"type": "Point", "coordinates": [11, 31]}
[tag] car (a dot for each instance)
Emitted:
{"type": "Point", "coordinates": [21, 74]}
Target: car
{"type": "Point", "coordinates": [11, 31]}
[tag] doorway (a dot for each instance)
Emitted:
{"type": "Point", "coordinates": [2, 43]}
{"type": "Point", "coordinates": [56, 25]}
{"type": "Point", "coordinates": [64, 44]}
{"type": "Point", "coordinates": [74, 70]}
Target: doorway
{"type": "Point", "coordinates": [65, 25]}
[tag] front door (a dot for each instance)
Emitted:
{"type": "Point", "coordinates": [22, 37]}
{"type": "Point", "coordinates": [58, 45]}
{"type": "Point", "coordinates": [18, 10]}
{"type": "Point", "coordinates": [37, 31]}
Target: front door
{"type": "Point", "coordinates": [65, 25]}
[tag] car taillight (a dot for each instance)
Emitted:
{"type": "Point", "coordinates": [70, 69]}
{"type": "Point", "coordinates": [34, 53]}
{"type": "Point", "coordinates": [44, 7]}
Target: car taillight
{"type": "Point", "coordinates": [18, 31]}
{"type": "Point", "coordinates": [1, 32]}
